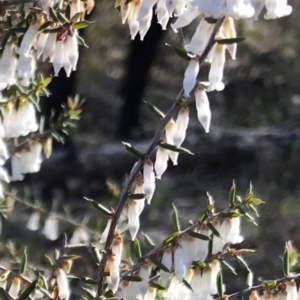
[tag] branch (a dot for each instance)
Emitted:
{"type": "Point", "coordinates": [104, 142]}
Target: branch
{"type": "Point", "coordinates": [26, 280]}
{"type": "Point", "coordinates": [259, 287]}
{"type": "Point", "coordinates": [56, 216]}
{"type": "Point", "coordinates": [138, 166]}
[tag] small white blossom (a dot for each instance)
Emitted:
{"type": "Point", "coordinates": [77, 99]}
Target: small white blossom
{"type": "Point", "coordinates": [186, 18]}
{"type": "Point", "coordinates": [166, 260]}
{"type": "Point", "coordinates": [34, 221]}
{"type": "Point", "coordinates": [114, 272]}
{"type": "Point", "coordinates": [181, 125]}
{"type": "Point", "coordinates": [161, 161]}
{"type": "Point", "coordinates": [277, 9]}
{"type": "Point", "coordinates": [203, 107]}
{"type": "Point", "coordinates": [133, 218]}
{"type": "Point", "coordinates": [106, 231]}
{"type": "Point", "coordinates": [144, 272]}
{"type": "Point", "coordinates": [80, 236]}
{"type": "Point", "coordinates": [63, 285]}
{"type": "Point", "coordinates": [162, 13]}
{"type": "Point", "coordinates": [51, 229]}
{"type": "Point", "coordinates": [117, 248]}
{"type": "Point", "coordinates": [27, 40]}
{"type": "Point", "coordinates": [190, 76]}
{"type": "Point", "coordinates": [149, 180]}
{"type": "Point", "coordinates": [15, 287]}
{"type": "Point", "coordinates": [179, 263]}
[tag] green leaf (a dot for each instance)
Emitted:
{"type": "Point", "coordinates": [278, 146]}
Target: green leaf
{"type": "Point", "coordinates": [175, 219]}
{"type": "Point", "coordinates": [45, 25]}
{"type": "Point", "coordinates": [156, 285]}
{"type": "Point", "coordinates": [231, 197]}
{"type": "Point", "coordinates": [198, 235]}
{"type": "Point", "coordinates": [62, 18]}
{"type": "Point", "coordinates": [137, 196]}
{"type": "Point", "coordinates": [49, 261]}
{"type": "Point", "coordinates": [286, 262]}
{"type": "Point", "coordinates": [180, 52]}
{"type": "Point", "coordinates": [46, 82]}
{"type": "Point", "coordinates": [231, 214]}
{"type": "Point", "coordinates": [81, 24]}
{"type": "Point", "coordinates": [213, 230]}
{"type": "Point", "coordinates": [269, 284]}
{"type": "Point", "coordinates": [23, 265]}
{"type": "Point", "coordinates": [90, 293]}
{"type": "Point", "coordinates": [95, 253]}
{"type": "Point", "coordinates": [256, 201]}
{"type": "Point", "coordinates": [155, 110]}
{"type": "Point", "coordinates": [148, 241]}
{"type": "Point", "coordinates": [230, 41]}
{"type": "Point", "coordinates": [187, 285]}
{"type": "Point", "coordinates": [228, 266]}
{"type": "Point", "coordinates": [247, 216]}
{"type": "Point", "coordinates": [70, 257]}
{"type": "Point", "coordinates": [99, 207]}
{"type": "Point", "coordinates": [4, 294]}
{"type": "Point", "coordinates": [18, 29]}
{"type": "Point", "coordinates": [68, 12]}
{"type": "Point", "coordinates": [175, 148]}
{"type": "Point", "coordinates": [252, 208]}
{"type": "Point", "coordinates": [133, 151]}
{"type": "Point", "coordinates": [161, 266]}
{"type": "Point", "coordinates": [203, 217]}
{"type": "Point", "coordinates": [133, 278]}
{"type": "Point", "coordinates": [88, 280]}
{"type": "Point", "coordinates": [53, 15]}
{"type": "Point", "coordinates": [81, 41]}
{"type": "Point", "coordinates": [137, 249]}
{"type": "Point", "coordinates": [248, 197]}
{"type": "Point", "coordinates": [171, 238]}
{"type": "Point", "coordinates": [53, 30]}
{"type": "Point", "coordinates": [28, 290]}
{"type": "Point", "coordinates": [220, 284]}
{"type": "Point", "coordinates": [200, 264]}
{"type": "Point", "coordinates": [241, 261]}
{"type": "Point", "coordinates": [210, 245]}
{"type": "Point", "coordinates": [76, 17]}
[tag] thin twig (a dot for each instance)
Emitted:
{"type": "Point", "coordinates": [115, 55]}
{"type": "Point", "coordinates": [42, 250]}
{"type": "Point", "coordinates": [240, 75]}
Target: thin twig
{"type": "Point", "coordinates": [56, 216]}
{"type": "Point", "coordinates": [138, 166]}
{"type": "Point", "coordinates": [26, 280]}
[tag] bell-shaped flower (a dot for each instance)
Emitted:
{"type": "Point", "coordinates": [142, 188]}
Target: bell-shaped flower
{"type": "Point", "coordinates": [19, 122]}
{"type": "Point", "coordinates": [133, 218]}
{"type": "Point", "coordinates": [144, 273]}
{"type": "Point", "coordinates": [218, 243]}
{"type": "Point", "coordinates": [186, 18]}
{"type": "Point", "coordinates": [180, 7]}
{"type": "Point", "coordinates": [186, 242]}
{"type": "Point", "coordinates": [171, 4]}
{"type": "Point", "coordinates": [8, 63]}
{"type": "Point", "coordinates": [125, 9]}
{"type": "Point", "coordinates": [179, 263]}
{"type": "Point", "coordinates": [277, 9]}
{"type": "Point", "coordinates": [215, 269]}
{"type": "Point", "coordinates": [71, 52]}
{"type": "Point", "coordinates": [33, 223]}
{"type": "Point", "coordinates": [201, 246]}
{"type": "Point", "coordinates": [132, 21]}
{"type": "Point", "coordinates": [144, 24]}
{"type": "Point", "coordinates": [233, 235]}
{"type": "Point", "coordinates": [181, 125]}
{"type": "Point", "coordinates": [146, 9]}
{"type": "Point", "coordinates": [80, 236]}
{"type": "Point", "coordinates": [258, 6]}
{"type": "Point", "coordinates": [149, 180]}
{"type": "Point", "coordinates": [49, 46]}
{"type": "Point", "coordinates": [63, 284]}
{"type": "Point", "coordinates": [16, 168]}
{"type": "Point", "coordinates": [200, 38]}
{"type": "Point", "coordinates": [106, 231]}
{"type": "Point", "coordinates": [130, 289]}
{"type": "Point", "coordinates": [117, 247]}
{"type": "Point", "coordinates": [27, 40]}
{"type": "Point", "coordinates": [228, 30]}
{"type": "Point", "coordinates": [169, 132]}
{"type": "Point", "coordinates": [51, 229]}
{"type": "Point", "coordinates": [174, 290]}
{"type": "Point", "coordinates": [42, 38]}
{"type": "Point", "coordinates": [75, 7]}
{"type": "Point", "coordinates": [190, 76]}
{"type": "Point", "coordinates": [59, 58]}
{"type": "Point", "coordinates": [166, 260]}
{"type": "Point", "coordinates": [217, 68]}
{"type": "Point", "coordinates": [162, 14]}
{"type": "Point", "coordinates": [15, 288]}
{"type": "Point", "coordinates": [212, 8]}
{"type": "Point", "coordinates": [254, 296]}
{"type": "Point", "coordinates": [114, 272]}
{"type": "Point", "coordinates": [238, 9]}
{"type": "Point", "coordinates": [203, 107]}
{"type": "Point", "coordinates": [161, 161]}
{"type": "Point", "coordinates": [291, 289]}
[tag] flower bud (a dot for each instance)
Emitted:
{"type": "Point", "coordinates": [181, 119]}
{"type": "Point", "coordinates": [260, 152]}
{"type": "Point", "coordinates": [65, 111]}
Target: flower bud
{"type": "Point", "coordinates": [203, 107]}
{"type": "Point", "coordinates": [190, 76]}
{"type": "Point", "coordinates": [181, 125]}
{"type": "Point", "coordinates": [15, 287]}
{"type": "Point", "coordinates": [133, 218]}
{"type": "Point", "coordinates": [34, 221]}
{"type": "Point", "coordinates": [149, 180]}
{"type": "Point", "coordinates": [161, 162]}
{"type": "Point", "coordinates": [63, 285]}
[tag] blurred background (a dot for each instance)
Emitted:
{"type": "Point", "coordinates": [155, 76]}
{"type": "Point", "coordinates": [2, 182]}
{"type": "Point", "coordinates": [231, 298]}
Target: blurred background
{"type": "Point", "coordinates": [254, 137]}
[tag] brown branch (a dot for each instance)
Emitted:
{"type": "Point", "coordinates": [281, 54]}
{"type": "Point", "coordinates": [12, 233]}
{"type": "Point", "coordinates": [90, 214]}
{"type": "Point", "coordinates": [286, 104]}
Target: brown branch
{"type": "Point", "coordinates": [138, 166]}
{"type": "Point", "coordinates": [259, 287]}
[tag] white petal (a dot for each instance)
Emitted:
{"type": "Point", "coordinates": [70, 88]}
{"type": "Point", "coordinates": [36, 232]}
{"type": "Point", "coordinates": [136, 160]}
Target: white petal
{"type": "Point", "coordinates": [203, 108]}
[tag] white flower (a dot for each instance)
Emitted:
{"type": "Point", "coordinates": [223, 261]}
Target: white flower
{"type": "Point", "coordinates": [181, 125]}
{"type": "Point", "coordinates": [190, 76]}
{"type": "Point", "coordinates": [51, 230]}
{"type": "Point", "coordinates": [161, 161]}
{"type": "Point", "coordinates": [233, 235]}
{"type": "Point", "coordinates": [179, 263]}
{"type": "Point", "coordinates": [75, 7]}
{"type": "Point", "coordinates": [21, 122]}
{"type": "Point", "coordinates": [27, 40]}
{"type": "Point", "coordinates": [139, 189]}
{"type": "Point", "coordinates": [26, 68]}
{"type": "Point", "coordinates": [72, 53]}
{"type": "Point", "coordinates": [228, 30]}
{"type": "Point", "coordinates": [63, 285]}
{"type": "Point", "coordinates": [169, 131]}
{"type": "Point", "coordinates": [8, 63]}
{"type": "Point", "coordinates": [144, 24]}
{"type": "Point", "coordinates": [254, 296]}
{"type": "Point", "coordinates": [34, 221]}
{"type": "Point", "coordinates": [149, 180]}
{"type": "Point", "coordinates": [114, 272]}
{"type": "Point", "coordinates": [106, 231]}
{"type": "Point", "coordinates": [151, 293]}
{"type": "Point", "coordinates": [117, 248]}
{"type": "Point", "coordinates": [215, 269]}
{"type": "Point", "coordinates": [201, 246]}
{"type": "Point", "coordinates": [133, 218]}
{"type": "Point", "coordinates": [132, 21]}
{"type": "Point", "coordinates": [239, 9]}
{"type": "Point", "coordinates": [250, 280]}
{"type": "Point", "coordinates": [217, 68]}
{"type": "Point", "coordinates": [15, 287]}
{"type": "Point", "coordinates": [171, 4]}
{"type": "Point", "coordinates": [258, 6]}
{"type": "Point", "coordinates": [203, 107]}
{"type": "Point", "coordinates": [162, 14]}
{"type": "Point", "coordinates": [49, 47]}
{"type": "Point", "coordinates": [277, 9]}
{"type": "Point", "coordinates": [41, 44]}
{"type": "Point", "coordinates": [4, 175]}
{"type": "Point", "coordinates": [187, 244]}
{"type": "Point", "coordinates": [146, 9]}
{"type": "Point", "coordinates": [186, 18]}
{"type": "Point", "coordinates": [80, 235]}
{"type": "Point", "coordinates": [144, 272]}
{"type": "Point", "coordinates": [166, 260]}
{"type": "Point", "coordinates": [291, 289]}
{"type": "Point", "coordinates": [211, 8]}
{"type": "Point", "coordinates": [180, 7]}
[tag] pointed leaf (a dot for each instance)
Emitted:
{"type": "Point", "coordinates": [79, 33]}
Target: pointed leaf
{"type": "Point", "coordinates": [133, 278]}
{"type": "Point", "coordinates": [49, 261]}
{"type": "Point", "coordinates": [137, 196]}
{"type": "Point", "coordinates": [95, 253]}
{"type": "Point", "coordinates": [23, 265]}
{"type": "Point", "coordinates": [88, 280]}
{"type": "Point", "coordinates": [157, 263]}
{"type": "Point", "coordinates": [137, 249]}
{"type": "Point", "coordinates": [213, 230]}
{"type": "Point", "coordinates": [198, 235]}
{"type": "Point", "coordinates": [175, 148]}
{"type": "Point", "coordinates": [81, 24]}
{"type": "Point", "coordinates": [155, 110]}
{"type": "Point", "coordinates": [148, 241]}
{"type": "Point", "coordinates": [251, 207]}
{"type": "Point", "coordinates": [171, 238]}
{"type": "Point", "coordinates": [133, 151]}
{"type": "Point", "coordinates": [76, 17]}
{"type": "Point", "coordinates": [242, 262]}
{"type": "Point", "coordinates": [99, 207]}
{"type": "Point", "coordinates": [187, 285]}
{"type": "Point", "coordinates": [228, 266]}
{"type": "Point", "coordinates": [180, 52]}
{"type": "Point", "coordinates": [286, 262]}
{"type": "Point", "coordinates": [255, 201]}
{"type": "Point", "coordinates": [175, 219]}
{"type": "Point", "coordinates": [220, 284]}
{"type": "Point", "coordinates": [156, 286]}
{"type": "Point", "coordinates": [231, 197]}
{"type": "Point", "coordinates": [230, 41]}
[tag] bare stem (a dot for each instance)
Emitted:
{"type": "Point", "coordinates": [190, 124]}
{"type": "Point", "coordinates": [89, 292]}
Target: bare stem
{"type": "Point", "coordinates": [138, 166]}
